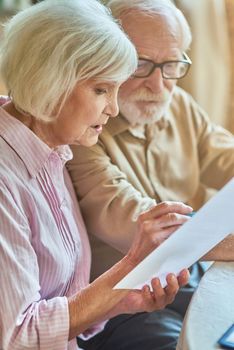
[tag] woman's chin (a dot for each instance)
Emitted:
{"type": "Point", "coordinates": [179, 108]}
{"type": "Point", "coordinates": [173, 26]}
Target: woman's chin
{"type": "Point", "coordinates": [89, 141]}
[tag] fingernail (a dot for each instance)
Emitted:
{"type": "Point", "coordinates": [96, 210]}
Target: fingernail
{"type": "Point", "coordinates": [156, 281]}
{"type": "Point", "coordinates": [184, 273]}
{"type": "Point", "coordinates": [189, 207]}
{"type": "Point", "coordinates": [172, 278]}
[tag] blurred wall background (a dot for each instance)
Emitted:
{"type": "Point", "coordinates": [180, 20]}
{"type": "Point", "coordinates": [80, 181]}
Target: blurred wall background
{"type": "Point", "coordinates": [211, 77]}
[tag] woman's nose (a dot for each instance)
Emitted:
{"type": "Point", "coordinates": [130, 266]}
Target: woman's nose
{"type": "Point", "coordinates": [113, 108]}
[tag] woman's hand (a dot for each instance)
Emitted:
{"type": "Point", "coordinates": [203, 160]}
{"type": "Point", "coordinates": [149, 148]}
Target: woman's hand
{"type": "Point", "coordinates": [157, 299]}
{"type": "Point", "coordinates": [155, 226]}
{"type": "Point", "coordinates": [99, 301]}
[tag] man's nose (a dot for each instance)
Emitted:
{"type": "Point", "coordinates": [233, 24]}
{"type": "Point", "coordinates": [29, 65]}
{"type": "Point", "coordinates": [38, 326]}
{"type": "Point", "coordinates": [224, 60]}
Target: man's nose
{"type": "Point", "coordinates": [155, 81]}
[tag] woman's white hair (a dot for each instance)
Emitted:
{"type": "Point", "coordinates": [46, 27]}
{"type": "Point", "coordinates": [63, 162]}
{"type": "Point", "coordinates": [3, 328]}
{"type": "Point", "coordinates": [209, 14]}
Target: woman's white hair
{"type": "Point", "coordinates": [163, 8]}
{"type": "Point", "coordinates": [48, 48]}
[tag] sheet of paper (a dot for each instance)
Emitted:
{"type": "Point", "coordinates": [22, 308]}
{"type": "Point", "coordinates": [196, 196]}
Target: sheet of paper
{"type": "Point", "coordinates": [211, 224]}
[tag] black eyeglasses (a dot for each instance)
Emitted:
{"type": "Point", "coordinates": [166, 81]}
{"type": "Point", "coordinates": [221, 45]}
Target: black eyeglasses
{"type": "Point", "coordinates": [175, 69]}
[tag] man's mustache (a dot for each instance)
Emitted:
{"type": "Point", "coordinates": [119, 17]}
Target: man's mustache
{"type": "Point", "coordinates": [146, 96]}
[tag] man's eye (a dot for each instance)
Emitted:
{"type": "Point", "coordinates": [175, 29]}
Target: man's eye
{"type": "Point", "coordinates": [100, 91]}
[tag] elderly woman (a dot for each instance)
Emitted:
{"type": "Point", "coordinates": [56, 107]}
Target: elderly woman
{"type": "Point", "coordinates": [63, 62]}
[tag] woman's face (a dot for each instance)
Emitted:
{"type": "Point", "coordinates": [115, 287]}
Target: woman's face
{"type": "Point", "coordinates": [84, 113]}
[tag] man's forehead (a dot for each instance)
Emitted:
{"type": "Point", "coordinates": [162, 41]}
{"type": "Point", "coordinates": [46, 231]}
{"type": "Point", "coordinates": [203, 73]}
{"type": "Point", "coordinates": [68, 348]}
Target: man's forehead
{"type": "Point", "coordinates": [151, 30]}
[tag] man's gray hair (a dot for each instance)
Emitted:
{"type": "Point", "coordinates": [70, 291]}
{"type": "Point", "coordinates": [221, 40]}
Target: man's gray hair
{"type": "Point", "coordinates": [49, 47]}
{"type": "Point", "coordinates": [162, 8]}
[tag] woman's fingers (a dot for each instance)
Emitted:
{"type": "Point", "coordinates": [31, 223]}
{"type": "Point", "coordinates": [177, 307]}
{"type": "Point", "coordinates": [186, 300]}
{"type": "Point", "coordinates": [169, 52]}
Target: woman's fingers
{"type": "Point", "coordinates": [156, 299]}
{"type": "Point", "coordinates": [160, 297]}
{"type": "Point", "coordinates": [172, 287]}
{"type": "Point", "coordinates": [154, 235]}
{"type": "Point", "coordinates": [183, 277]}
{"type": "Point", "coordinates": [155, 226]}
{"type": "Point", "coordinates": [165, 208]}
{"type": "Point", "coordinates": [158, 293]}
{"type": "Point", "coordinates": [165, 221]}
{"type": "Point", "coordinates": [148, 297]}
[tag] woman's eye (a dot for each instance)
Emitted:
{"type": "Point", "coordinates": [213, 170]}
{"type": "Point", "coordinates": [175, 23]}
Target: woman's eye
{"type": "Point", "coordinates": [100, 91]}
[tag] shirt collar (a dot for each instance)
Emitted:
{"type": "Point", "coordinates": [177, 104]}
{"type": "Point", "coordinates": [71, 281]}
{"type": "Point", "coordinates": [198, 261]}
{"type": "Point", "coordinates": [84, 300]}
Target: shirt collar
{"type": "Point", "coordinates": [32, 151]}
{"type": "Point", "coordinates": [118, 125]}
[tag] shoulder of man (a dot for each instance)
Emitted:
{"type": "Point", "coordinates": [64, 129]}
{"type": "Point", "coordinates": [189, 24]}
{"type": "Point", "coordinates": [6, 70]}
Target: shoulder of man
{"type": "Point", "coordinates": [182, 96]}
{"type": "Point", "coordinates": [183, 105]}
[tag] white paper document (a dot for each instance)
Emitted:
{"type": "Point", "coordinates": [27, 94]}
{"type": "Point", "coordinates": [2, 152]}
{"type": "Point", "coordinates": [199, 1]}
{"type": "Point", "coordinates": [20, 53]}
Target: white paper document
{"type": "Point", "coordinates": [210, 225]}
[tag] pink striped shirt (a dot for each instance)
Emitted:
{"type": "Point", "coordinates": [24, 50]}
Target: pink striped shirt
{"type": "Point", "coordinates": [44, 250]}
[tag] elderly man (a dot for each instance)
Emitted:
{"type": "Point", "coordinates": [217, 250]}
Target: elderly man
{"type": "Point", "coordinates": [161, 147]}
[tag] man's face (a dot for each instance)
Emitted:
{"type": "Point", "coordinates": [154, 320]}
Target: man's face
{"type": "Point", "coordinates": [145, 100]}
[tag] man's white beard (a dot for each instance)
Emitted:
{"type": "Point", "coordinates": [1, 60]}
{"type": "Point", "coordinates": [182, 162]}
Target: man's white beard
{"type": "Point", "coordinates": [150, 113]}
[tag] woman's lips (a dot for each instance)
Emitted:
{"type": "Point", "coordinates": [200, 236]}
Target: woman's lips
{"type": "Point", "coordinates": [97, 128]}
